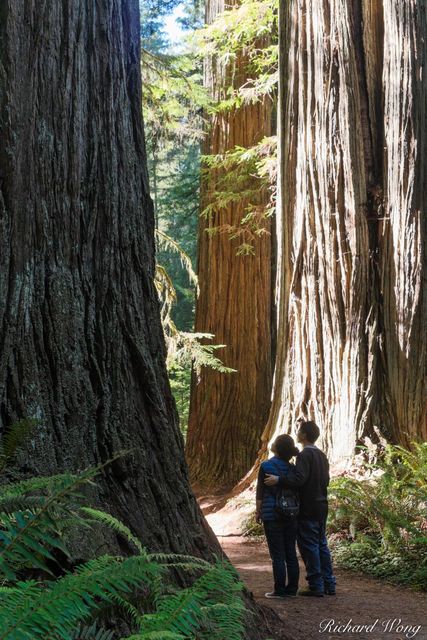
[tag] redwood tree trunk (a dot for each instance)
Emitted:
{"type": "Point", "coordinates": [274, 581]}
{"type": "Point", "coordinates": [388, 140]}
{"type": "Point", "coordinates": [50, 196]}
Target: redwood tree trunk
{"type": "Point", "coordinates": [228, 411]}
{"type": "Point", "coordinates": [81, 341]}
{"type": "Point", "coordinates": [352, 335]}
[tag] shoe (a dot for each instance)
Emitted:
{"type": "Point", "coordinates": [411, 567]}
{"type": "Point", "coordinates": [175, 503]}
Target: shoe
{"type": "Point", "coordinates": [330, 592]}
{"type": "Point", "coordinates": [273, 594]}
{"type": "Point", "coordinates": [290, 594]}
{"type": "Point", "coordinates": [311, 593]}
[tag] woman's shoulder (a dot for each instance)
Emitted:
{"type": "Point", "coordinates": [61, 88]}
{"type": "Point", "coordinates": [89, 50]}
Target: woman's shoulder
{"type": "Point", "coordinates": [274, 462]}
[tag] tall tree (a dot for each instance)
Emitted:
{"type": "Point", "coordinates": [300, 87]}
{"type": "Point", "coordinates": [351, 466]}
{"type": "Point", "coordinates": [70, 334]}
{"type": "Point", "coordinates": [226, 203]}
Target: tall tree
{"type": "Point", "coordinates": [228, 412]}
{"type": "Point", "coordinates": [352, 342]}
{"type": "Point", "coordinates": [81, 342]}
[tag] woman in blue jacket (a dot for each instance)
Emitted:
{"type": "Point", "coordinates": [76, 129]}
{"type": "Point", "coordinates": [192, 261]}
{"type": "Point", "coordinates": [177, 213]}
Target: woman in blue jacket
{"type": "Point", "coordinates": [281, 533]}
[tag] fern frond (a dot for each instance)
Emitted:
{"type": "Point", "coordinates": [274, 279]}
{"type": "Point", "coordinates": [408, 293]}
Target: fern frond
{"type": "Point", "coordinates": [173, 558]}
{"type": "Point", "coordinates": [172, 244]}
{"type": "Point", "coordinates": [189, 611]}
{"type": "Point", "coordinates": [25, 538]}
{"type": "Point", "coordinates": [223, 621]}
{"type": "Point", "coordinates": [13, 439]}
{"type": "Point", "coordinates": [127, 606]}
{"type": "Point", "coordinates": [113, 523]}
{"type": "Point", "coordinates": [92, 632]}
{"type": "Point", "coordinates": [9, 504]}
{"type": "Point", "coordinates": [27, 535]}
{"type": "Point", "coordinates": [54, 610]}
{"type": "Point", "coordinates": [34, 485]}
{"type": "Point", "coordinates": [157, 635]}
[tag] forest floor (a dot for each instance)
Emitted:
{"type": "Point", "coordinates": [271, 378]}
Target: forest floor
{"type": "Point", "coordinates": [391, 612]}
{"type": "Point", "coordinates": [360, 600]}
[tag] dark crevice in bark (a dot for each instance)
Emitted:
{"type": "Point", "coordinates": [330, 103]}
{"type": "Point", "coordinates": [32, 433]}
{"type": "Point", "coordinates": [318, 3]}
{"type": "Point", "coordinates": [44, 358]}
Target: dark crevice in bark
{"type": "Point", "coordinates": [373, 143]}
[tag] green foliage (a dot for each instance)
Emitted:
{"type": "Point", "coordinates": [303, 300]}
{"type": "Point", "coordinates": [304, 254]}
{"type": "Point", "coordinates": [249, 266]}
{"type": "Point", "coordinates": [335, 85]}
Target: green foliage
{"type": "Point", "coordinates": [246, 33]}
{"type": "Point", "coordinates": [208, 609]}
{"type": "Point", "coordinates": [248, 176]}
{"type": "Point", "coordinates": [180, 381]}
{"type": "Point", "coordinates": [35, 603]}
{"type": "Point", "coordinates": [251, 528]}
{"type": "Point", "coordinates": [183, 347]}
{"type": "Point", "coordinates": [366, 556]}
{"type": "Point", "coordinates": [173, 101]}
{"type": "Point", "coordinates": [152, 14]}
{"type": "Point", "coordinates": [92, 632]}
{"type": "Point", "coordinates": [189, 346]}
{"type": "Point", "coordinates": [56, 607]}
{"type": "Point", "coordinates": [173, 96]}
{"type": "Point", "coordinates": [95, 515]}
{"type": "Point", "coordinates": [177, 205]}
{"type": "Point", "coordinates": [30, 533]}
{"type": "Point", "coordinates": [13, 438]}
{"type": "Point", "coordinates": [379, 525]}
{"type": "Point", "coordinates": [173, 245]}
{"type": "Point", "coordinates": [244, 39]}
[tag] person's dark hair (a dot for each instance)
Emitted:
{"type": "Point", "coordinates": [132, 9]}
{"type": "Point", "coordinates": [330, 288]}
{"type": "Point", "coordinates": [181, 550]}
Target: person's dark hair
{"type": "Point", "coordinates": [310, 430]}
{"type": "Point", "coordinates": [284, 447]}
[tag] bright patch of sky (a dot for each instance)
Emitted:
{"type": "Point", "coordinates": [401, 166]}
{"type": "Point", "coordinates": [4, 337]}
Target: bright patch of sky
{"type": "Point", "coordinates": [172, 28]}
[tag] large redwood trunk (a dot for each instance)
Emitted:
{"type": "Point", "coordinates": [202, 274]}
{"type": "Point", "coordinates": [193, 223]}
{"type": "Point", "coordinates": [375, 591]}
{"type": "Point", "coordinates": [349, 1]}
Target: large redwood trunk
{"type": "Point", "coordinates": [352, 334]}
{"type": "Point", "coordinates": [82, 348]}
{"type": "Point", "coordinates": [228, 411]}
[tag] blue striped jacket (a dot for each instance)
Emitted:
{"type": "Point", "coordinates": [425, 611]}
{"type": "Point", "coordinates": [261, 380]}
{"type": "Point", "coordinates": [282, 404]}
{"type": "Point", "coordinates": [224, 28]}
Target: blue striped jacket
{"type": "Point", "coordinates": [276, 466]}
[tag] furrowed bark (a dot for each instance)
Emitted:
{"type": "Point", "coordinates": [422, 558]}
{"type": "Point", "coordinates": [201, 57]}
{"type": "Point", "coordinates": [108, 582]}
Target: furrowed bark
{"type": "Point", "coordinates": [82, 348]}
{"type": "Point", "coordinates": [352, 235]}
{"type": "Point", "coordinates": [228, 411]}
{"type": "Point", "coordinates": [403, 232]}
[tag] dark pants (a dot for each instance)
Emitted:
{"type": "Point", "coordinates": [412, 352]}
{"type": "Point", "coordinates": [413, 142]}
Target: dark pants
{"type": "Point", "coordinates": [281, 539]}
{"type": "Point", "coordinates": [314, 551]}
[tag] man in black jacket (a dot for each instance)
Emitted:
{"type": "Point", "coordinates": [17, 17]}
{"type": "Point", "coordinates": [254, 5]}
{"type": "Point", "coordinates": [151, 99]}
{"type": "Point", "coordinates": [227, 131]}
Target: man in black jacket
{"type": "Point", "coordinates": [311, 478]}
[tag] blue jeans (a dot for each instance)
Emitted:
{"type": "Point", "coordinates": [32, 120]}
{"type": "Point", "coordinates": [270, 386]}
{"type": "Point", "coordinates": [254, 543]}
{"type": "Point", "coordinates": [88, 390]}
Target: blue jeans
{"type": "Point", "coordinates": [315, 553]}
{"type": "Point", "coordinates": [281, 539]}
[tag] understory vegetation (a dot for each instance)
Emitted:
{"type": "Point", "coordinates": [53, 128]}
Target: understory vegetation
{"type": "Point", "coordinates": [43, 595]}
{"type": "Point", "coordinates": [378, 525]}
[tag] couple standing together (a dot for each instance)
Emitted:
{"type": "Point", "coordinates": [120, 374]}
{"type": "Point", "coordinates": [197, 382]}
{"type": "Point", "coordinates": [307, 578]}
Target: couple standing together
{"type": "Point", "coordinates": [309, 478]}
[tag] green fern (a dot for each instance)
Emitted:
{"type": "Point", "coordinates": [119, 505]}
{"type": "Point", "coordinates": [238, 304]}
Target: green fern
{"type": "Point", "coordinates": [138, 586]}
{"type": "Point", "coordinates": [379, 522]}
{"type": "Point", "coordinates": [9, 504]}
{"type": "Point", "coordinates": [13, 439]}
{"type": "Point", "coordinates": [33, 485]}
{"type": "Point", "coordinates": [92, 632]}
{"type": "Point", "coordinates": [195, 608]}
{"type": "Point", "coordinates": [56, 608]}
{"type": "Point", "coordinates": [95, 515]}
{"type": "Point", "coordinates": [157, 635]}
{"type": "Point", "coordinates": [27, 535]}
{"type": "Point", "coordinates": [175, 559]}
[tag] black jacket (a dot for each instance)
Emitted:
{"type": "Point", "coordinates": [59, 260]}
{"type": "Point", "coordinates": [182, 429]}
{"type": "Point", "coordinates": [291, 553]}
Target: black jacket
{"type": "Point", "coordinates": [311, 478]}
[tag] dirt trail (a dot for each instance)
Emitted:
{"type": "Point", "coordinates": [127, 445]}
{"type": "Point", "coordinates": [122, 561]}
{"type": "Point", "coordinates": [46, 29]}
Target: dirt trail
{"type": "Point", "coordinates": [393, 613]}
